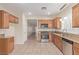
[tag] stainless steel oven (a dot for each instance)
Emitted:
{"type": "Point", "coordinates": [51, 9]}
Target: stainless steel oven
{"type": "Point", "coordinates": [44, 36]}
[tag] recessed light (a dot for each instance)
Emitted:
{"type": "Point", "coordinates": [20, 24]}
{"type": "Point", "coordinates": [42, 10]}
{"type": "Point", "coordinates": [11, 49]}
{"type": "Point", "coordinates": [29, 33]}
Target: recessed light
{"type": "Point", "coordinates": [61, 20]}
{"type": "Point", "coordinates": [48, 13]}
{"type": "Point", "coordinates": [29, 13]}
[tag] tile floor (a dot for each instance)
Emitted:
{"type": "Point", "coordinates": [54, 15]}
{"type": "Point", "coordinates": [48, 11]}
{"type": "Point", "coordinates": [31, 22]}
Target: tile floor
{"type": "Point", "coordinates": [33, 47]}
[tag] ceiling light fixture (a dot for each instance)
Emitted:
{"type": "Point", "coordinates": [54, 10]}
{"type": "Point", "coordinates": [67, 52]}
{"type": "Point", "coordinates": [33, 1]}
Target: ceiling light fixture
{"type": "Point", "coordinates": [43, 8]}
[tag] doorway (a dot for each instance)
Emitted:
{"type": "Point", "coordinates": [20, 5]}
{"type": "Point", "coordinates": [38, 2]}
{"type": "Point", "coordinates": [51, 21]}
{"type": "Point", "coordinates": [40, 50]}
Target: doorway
{"type": "Point", "coordinates": [31, 29]}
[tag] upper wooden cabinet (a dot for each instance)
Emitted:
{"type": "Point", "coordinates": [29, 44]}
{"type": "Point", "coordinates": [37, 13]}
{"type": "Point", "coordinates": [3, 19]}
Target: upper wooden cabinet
{"type": "Point", "coordinates": [4, 19]}
{"type": "Point", "coordinates": [75, 16]}
{"type": "Point", "coordinates": [48, 22]}
{"type": "Point", "coordinates": [13, 19]}
{"type": "Point", "coordinates": [56, 23]}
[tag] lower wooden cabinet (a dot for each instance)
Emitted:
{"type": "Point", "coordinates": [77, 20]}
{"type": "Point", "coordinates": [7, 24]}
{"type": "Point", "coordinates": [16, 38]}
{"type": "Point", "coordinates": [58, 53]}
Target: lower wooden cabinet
{"type": "Point", "coordinates": [53, 38]}
{"type": "Point", "coordinates": [6, 45]}
{"type": "Point", "coordinates": [50, 37]}
{"type": "Point", "coordinates": [58, 42]}
{"type": "Point", "coordinates": [75, 48]}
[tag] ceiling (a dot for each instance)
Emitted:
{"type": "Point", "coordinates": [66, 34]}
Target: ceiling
{"type": "Point", "coordinates": [34, 9]}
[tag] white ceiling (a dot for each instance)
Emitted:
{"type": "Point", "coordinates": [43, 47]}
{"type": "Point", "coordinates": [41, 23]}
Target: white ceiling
{"type": "Point", "coordinates": [35, 8]}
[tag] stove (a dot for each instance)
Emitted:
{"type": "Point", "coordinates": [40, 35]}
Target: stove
{"type": "Point", "coordinates": [44, 36]}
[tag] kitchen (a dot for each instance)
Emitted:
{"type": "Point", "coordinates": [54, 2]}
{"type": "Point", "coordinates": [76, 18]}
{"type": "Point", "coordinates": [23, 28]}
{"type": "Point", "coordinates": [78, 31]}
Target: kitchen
{"type": "Point", "coordinates": [62, 30]}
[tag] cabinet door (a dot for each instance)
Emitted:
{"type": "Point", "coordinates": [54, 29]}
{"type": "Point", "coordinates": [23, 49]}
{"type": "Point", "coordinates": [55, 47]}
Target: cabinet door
{"type": "Point", "coordinates": [58, 42]}
{"type": "Point", "coordinates": [53, 38]}
{"type": "Point", "coordinates": [56, 23]}
{"type": "Point", "coordinates": [10, 44]}
{"type": "Point", "coordinates": [1, 17]}
{"type": "Point", "coordinates": [50, 24]}
{"type": "Point", "coordinates": [6, 20]}
{"type": "Point", "coordinates": [76, 48]}
{"type": "Point", "coordinates": [75, 16]}
{"type": "Point", "coordinates": [13, 19]}
{"type": "Point", "coordinates": [6, 45]}
{"type": "Point", "coordinates": [3, 46]}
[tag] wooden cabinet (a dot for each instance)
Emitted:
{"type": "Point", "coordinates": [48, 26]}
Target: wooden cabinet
{"type": "Point", "coordinates": [4, 20]}
{"type": "Point", "coordinates": [53, 38]}
{"type": "Point", "coordinates": [75, 16]}
{"type": "Point", "coordinates": [50, 24]}
{"type": "Point", "coordinates": [56, 23]}
{"type": "Point", "coordinates": [76, 48]}
{"type": "Point", "coordinates": [47, 21]}
{"type": "Point", "coordinates": [50, 36]}
{"type": "Point", "coordinates": [6, 45]}
{"type": "Point", "coordinates": [13, 19]}
{"type": "Point", "coordinates": [58, 42]}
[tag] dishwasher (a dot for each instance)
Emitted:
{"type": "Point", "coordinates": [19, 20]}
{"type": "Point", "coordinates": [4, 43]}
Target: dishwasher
{"type": "Point", "coordinates": [67, 47]}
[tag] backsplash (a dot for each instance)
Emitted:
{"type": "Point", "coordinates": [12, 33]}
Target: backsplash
{"type": "Point", "coordinates": [8, 32]}
{"type": "Point", "coordinates": [73, 30]}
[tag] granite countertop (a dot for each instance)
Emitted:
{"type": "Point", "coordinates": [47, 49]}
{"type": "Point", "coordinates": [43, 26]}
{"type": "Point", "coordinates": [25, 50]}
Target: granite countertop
{"type": "Point", "coordinates": [3, 36]}
{"type": "Point", "coordinates": [69, 36]}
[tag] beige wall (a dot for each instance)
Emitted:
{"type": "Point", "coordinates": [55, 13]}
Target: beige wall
{"type": "Point", "coordinates": [16, 30]}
